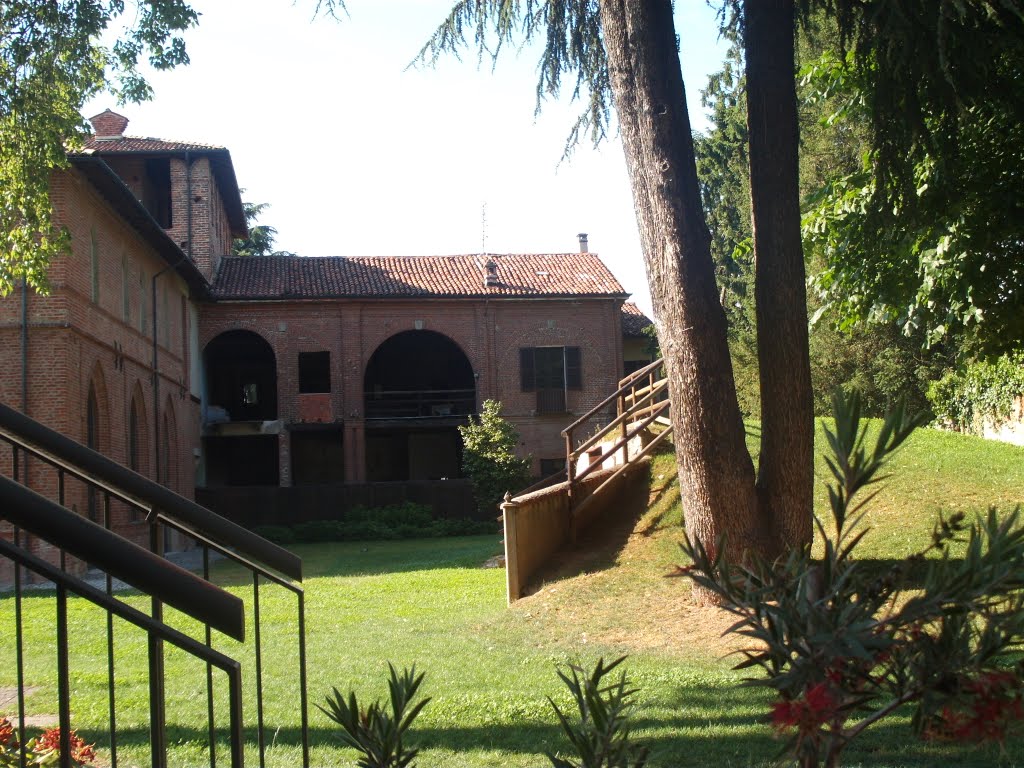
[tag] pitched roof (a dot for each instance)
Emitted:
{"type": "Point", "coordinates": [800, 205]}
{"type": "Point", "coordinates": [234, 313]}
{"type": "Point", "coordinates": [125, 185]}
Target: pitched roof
{"type": "Point", "coordinates": [108, 140]}
{"type": "Point", "coordinates": [380, 277]}
{"type": "Point", "coordinates": [633, 320]}
{"type": "Point", "coordinates": [119, 145]}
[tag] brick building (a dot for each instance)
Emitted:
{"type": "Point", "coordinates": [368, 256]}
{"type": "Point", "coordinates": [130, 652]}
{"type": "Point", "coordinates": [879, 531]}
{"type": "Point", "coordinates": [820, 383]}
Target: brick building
{"type": "Point", "coordinates": [204, 370]}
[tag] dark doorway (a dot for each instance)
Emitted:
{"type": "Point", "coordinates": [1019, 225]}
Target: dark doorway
{"type": "Point", "coordinates": [419, 374]}
{"type": "Point", "coordinates": [413, 454]}
{"type": "Point", "coordinates": [241, 376]}
{"type": "Point", "coordinates": [317, 457]}
{"type": "Point", "coordinates": [244, 460]}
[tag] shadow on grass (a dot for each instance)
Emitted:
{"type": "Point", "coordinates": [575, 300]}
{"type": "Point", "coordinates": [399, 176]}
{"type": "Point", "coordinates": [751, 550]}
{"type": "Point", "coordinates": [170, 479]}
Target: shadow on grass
{"type": "Point", "coordinates": [374, 558]}
{"type": "Point", "coordinates": [599, 544]}
{"type": "Point", "coordinates": [709, 725]}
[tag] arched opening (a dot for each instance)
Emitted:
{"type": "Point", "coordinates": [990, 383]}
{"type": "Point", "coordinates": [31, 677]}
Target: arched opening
{"type": "Point", "coordinates": [241, 376]}
{"type": "Point", "coordinates": [169, 453]}
{"type": "Point", "coordinates": [240, 429]}
{"type": "Point", "coordinates": [95, 431]}
{"type": "Point", "coordinates": [418, 387]}
{"type": "Point", "coordinates": [419, 374]}
{"type": "Point", "coordinates": [138, 439]}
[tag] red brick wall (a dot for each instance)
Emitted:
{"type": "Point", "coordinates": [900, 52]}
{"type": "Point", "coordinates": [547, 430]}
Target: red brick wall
{"type": "Point", "coordinates": [73, 341]}
{"type": "Point", "coordinates": [489, 333]}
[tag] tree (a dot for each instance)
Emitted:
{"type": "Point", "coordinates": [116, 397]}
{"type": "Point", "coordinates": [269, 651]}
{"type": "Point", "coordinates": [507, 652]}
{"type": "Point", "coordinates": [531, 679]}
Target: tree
{"type": "Point", "coordinates": [50, 64]}
{"type": "Point", "coordinates": [878, 360]}
{"type": "Point", "coordinates": [624, 52]}
{"type": "Point", "coordinates": [927, 231]}
{"type": "Point", "coordinates": [260, 241]}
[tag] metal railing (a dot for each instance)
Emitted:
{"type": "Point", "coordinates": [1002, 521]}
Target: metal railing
{"type": "Point", "coordinates": [54, 460]}
{"type": "Point", "coordinates": [641, 401]}
{"type": "Point", "coordinates": [421, 403]}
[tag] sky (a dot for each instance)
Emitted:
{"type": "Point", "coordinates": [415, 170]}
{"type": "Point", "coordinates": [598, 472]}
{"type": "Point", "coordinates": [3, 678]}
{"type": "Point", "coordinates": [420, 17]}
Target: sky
{"type": "Point", "coordinates": [359, 155]}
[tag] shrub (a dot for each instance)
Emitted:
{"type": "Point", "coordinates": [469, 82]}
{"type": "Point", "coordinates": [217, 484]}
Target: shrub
{"type": "Point", "coordinates": [489, 457]}
{"type": "Point", "coordinates": [279, 534]}
{"type": "Point", "coordinates": [376, 733]}
{"type": "Point", "coordinates": [601, 738]}
{"type": "Point", "coordinates": [844, 646]}
{"type": "Point", "coordinates": [985, 390]}
{"type": "Point", "coordinates": [407, 520]}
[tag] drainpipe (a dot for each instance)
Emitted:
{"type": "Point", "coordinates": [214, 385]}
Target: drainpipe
{"type": "Point", "coordinates": [156, 337]}
{"type": "Point", "coordinates": [24, 345]}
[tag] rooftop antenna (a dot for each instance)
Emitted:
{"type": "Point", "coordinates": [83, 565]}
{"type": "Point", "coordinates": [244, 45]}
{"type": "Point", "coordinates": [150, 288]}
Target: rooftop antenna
{"type": "Point", "coordinates": [483, 227]}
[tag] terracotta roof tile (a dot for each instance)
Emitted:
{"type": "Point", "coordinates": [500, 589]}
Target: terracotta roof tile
{"type": "Point", "coordinates": [127, 144]}
{"type": "Point", "coordinates": [323, 277]}
{"type": "Point", "coordinates": [633, 320]}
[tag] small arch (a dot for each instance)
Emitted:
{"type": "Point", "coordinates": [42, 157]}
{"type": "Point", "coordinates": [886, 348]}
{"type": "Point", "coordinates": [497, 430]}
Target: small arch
{"type": "Point", "coordinates": [241, 376]}
{"type": "Point", "coordinates": [97, 411]}
{"type": "Point", "coordinates": [169, 453]}
{"type": "Point", "coordinates": [138, 432]}
{"type": "Point", "coordinates": [96, 430]}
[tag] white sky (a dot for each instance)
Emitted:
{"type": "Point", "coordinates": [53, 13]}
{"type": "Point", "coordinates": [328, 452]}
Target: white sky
{"type": "Point", "coordinates": [358, 156]}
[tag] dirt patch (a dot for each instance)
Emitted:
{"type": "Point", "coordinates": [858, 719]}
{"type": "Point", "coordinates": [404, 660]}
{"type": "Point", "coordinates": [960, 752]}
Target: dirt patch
{"type": "Point", "coordinates": [9, 704]}
{"type": "Point", "coordinates": [612, 589]}
{"type": "Point", "coordinates": [9, 696]}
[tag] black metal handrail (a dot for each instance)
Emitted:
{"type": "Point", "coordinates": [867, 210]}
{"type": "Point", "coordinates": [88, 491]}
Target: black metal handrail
{"type": "Point", "coordinates": [122, 559]}
{"type": "Point", "coordinates": [129, 486]}
{"type": "Point", "coordinates": [165, 509]}
{"type": "Point", "coordinates": [154, 629]}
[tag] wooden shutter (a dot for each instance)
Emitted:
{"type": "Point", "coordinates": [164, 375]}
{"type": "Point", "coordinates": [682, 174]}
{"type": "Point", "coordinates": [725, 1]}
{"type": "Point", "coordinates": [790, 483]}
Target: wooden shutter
{"type": "Point", "coordinates": [573, 368]}
{"type": "Point", "coordinates": [527, 376]}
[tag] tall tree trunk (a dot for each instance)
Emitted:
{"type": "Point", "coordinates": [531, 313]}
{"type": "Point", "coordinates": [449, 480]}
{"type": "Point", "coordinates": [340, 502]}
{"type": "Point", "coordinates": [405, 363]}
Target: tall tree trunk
{"type": "Point", "coordinates": [785, 477]}
{"type": "Point", "coordinates": [716, 473]}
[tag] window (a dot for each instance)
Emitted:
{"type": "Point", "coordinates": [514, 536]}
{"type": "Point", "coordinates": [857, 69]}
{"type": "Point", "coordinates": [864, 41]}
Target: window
{"type": "Point", "coordinates": [549, 467]}
{"type": "Point", "coordinates": [166, 320]}
{"type": "Point", "coordinates": [156, 190]}
{"type": "Point", "coordinates": [133, 437]}
{"type": "Point", "coordinates": [92, 440]}
{"type": "Point", "coordinates": [94, 263]}
{"type": "Point", "coordinates": [142, 302]}
{"type": "Point", "coordinates": [550, 372]}
{"type": "Point", "coordinates": [126, 302]}
{"type": "Point", "coordinates": [314, 372]}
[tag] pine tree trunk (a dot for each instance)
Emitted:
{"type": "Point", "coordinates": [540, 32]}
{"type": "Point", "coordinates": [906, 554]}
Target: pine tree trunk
{"type": "Point", "coordinates": [716, 473]}
{"type": "Point", "coordinates": [785, 469]}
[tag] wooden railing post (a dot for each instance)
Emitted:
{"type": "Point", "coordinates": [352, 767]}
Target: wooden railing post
{"type": "Point", "coordinates": [509, 510]}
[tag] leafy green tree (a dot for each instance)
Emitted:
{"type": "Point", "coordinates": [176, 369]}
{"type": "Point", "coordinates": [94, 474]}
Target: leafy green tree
{"type": "Point", "coordinates": [489, 457]}
{"type": "Point", "coordinates": [926, 232]}
{"type": "Point", "coordinates": [50, 63]}
{"type": "Point", "coordinates": [260, 241]}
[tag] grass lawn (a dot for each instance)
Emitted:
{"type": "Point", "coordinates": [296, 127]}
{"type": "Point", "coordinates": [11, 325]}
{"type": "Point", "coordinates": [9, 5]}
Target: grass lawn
{"type": "Point", "coordinates": [490, 668]}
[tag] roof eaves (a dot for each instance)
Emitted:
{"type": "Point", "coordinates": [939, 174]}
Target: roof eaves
{"type": "Point", "coordinates": [113, 188]}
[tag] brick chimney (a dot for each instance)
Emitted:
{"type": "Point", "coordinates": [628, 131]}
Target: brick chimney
{"type": "Point", "coordinates": [584, 248]}
{"type": "Point", "coordinates": [491, 274]}
{"type": "Point", "coordinates": [108, 125]}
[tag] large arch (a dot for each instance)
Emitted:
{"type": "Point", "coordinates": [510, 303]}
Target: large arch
{"type": "Point", "coordinates": [241, 387]}
{"type": "Point", "coordinates": [418, 386]}
{"type": "Point", "coordinates": [419, 374]}
{"type": "Point", "coordinates": [241, 376]}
